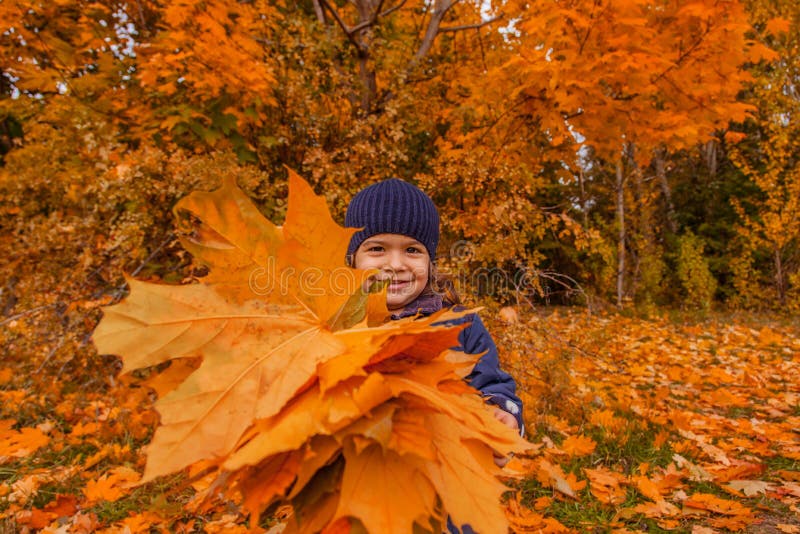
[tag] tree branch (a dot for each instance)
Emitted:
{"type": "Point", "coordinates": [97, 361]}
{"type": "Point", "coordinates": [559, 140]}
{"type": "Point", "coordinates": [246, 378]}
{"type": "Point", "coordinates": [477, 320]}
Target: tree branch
{"type": "Point", "coordinates": [320, 12]}
{"type": "Point", "coordinates": [475, 26]}
{"type": "Point", "coordinates": [440, 8]}
{"type": "Point", "coordinates": [393, 8]}
{"type": "Point", "coordinates": [360, 26]}
{"type": "Point", "coordinates": [345, 28]}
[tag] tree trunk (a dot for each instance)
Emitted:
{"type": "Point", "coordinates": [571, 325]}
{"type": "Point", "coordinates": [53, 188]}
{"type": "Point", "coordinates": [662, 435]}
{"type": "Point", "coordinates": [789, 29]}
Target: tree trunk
{"type": "Point", "coordinates": [369, 86]}
{"type": "Point", "coordinates": [360, 35]}
{"type": "Point", "coordinates": [319, 12]}
{"type": "Point", "coordinates": [440, 8]}
{"type": "Point", "coordinates": [641, 233]}
{"type": "Point", "coordinates": [582, 184]}
{"type": "Point", "coordinates": [710, 153]}
{"type": "Point", "coordinates": [367, 15]}
{"type": "Point", "coordinates": [666, 190]}
{"type": "Point", "coordinates": [621, 236]}
{"type": "Point", "coordinates": [780, 282]}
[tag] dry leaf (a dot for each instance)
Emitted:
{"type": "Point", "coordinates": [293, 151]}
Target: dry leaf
{"type": "Point", "coordinates": [19, 443]}
{"type": "Point", "coordinates": [553, 476]}
{"type": "Point", "coordinates": [712, 503]}
{"type": "Point", "coordinates": [606, 485]}
{"type": "Point", "coordinates": [508, 315]}
{"type": "Point", "coordinates": [578, 446]}
{"type": "Point", "coordinates": [111, 486]}
{"type": "Point", "coordinates": [658, 509]}
{"type": "Point", "coordinates": [750, 487]}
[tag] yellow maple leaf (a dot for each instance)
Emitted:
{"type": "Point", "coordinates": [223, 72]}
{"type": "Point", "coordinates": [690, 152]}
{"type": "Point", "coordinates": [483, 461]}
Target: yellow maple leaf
{"type": "Point", "coordinates": [303, 393]}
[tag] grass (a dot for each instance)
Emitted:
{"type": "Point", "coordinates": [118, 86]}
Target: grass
{"type": "Point", "coordinates": [781, 463]}
{"type": "Point", "coordinates": [635, 446]}
{"type": "Point", "coordinates": [740, 412]}
{"type": "Point", "coordinates": [583, 515]}
{"type": "Point", "coordinates": [624, 452]}
{"type": "Point", "coordinates": [142, 498]}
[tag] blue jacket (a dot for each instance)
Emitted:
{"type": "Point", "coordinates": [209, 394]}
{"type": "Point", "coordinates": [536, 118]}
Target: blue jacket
{"type": "Point", "coordinates": [487, 377]}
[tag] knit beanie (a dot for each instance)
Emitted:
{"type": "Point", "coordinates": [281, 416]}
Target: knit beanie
{"type": "Point", "coordinates": [393, 207]}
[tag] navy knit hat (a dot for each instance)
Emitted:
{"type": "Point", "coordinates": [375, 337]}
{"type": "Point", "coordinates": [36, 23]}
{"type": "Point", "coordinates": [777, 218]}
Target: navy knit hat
{"type": "Point", "coordinates": [393, 207]}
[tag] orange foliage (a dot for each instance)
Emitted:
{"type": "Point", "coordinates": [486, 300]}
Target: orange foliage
{"type": "Point", "coordinates": [116, 127]}
{"type": "Point", "coordinates": [625, 72]}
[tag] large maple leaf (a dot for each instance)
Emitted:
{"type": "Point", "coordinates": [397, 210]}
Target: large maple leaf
{"type": "Point", "coordinates": [304, 392]}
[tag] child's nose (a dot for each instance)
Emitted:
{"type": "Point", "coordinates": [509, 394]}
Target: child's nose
{"type": "Point", "coordinates": [395, 261]}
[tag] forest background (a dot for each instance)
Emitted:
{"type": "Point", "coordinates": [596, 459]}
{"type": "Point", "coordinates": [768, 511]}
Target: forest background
{"type": "Point", "coordinates": [631, 154]}
{"type": "Point", "coordinates": [621, 152]}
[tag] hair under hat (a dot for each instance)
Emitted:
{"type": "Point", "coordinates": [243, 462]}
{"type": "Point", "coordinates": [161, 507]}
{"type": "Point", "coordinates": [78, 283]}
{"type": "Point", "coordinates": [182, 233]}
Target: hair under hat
{"type": "Point", "coordinates": [393, 206]}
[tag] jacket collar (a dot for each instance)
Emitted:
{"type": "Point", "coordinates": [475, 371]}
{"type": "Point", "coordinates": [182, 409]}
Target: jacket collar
{"type": "Point", "coordinates": [425, 304]}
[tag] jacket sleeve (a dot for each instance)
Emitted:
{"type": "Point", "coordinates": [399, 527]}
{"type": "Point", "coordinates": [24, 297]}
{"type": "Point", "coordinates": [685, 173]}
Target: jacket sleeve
{"type": "Point", "coordinates": [487, 377]}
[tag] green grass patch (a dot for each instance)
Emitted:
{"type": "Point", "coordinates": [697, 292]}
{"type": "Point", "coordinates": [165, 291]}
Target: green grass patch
{"type": "Point", "coordinates": [586, 515]}
{"type": "Point", "coordinates": [165, 496]}
{"type": "Point", "coordinates": [740, 412]}
{"type": "Point", "coordinates": [781, 463]}
{"type": "Point", "coordinates": [69, 455]}
{"type": "Point", "coordinates": [634, 446]}
{"type": "Point", "coordinates": [48, 492]}
{"type": "Point", "coordinates": [111, 512]}
{"type": "Point", "coordinates": [11, 472]}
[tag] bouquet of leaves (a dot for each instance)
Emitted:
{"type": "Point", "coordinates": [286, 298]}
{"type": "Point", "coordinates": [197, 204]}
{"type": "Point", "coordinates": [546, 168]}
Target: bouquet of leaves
{"type": "Point", "coordinates": [287, 382]}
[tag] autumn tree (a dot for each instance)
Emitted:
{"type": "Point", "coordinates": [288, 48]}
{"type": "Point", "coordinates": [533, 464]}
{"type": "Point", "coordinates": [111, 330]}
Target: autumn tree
{"type": "Point", "coordinates": [769, 231]}
{"type": "Point", "coordinates": [629, 79]}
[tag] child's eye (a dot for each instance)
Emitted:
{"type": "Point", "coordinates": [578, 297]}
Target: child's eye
{"type": "Point", "coordinates": [375, 248]}
{"type": "Point", "coordinates": [413, 250]}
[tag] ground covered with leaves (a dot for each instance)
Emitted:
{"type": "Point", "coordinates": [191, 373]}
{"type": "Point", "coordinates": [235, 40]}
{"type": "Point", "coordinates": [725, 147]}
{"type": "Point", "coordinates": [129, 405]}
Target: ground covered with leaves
{"type": "Point", "coordinates": [660, 424]}
{"type": "Point", "coordinates": [667, 423]}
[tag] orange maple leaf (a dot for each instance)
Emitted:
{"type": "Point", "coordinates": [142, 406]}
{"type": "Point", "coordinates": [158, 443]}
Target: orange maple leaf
{"type": "Point", "coordinates": [303, 393]}
{"type": "Point", "coordinates": [606, 485]}
{"type": "Point", "coordinates": [112, 486]}
{"type": "Point", "coordinates": [712, 503]}
{"type": "Point", "coordinates": [19, 443]}
{"type": "Point", "coordinates": [553, 476]}
{"type": "Point", "coordinates": [647, 487]}
{"type": "Point", "coordinates": [578, 446]}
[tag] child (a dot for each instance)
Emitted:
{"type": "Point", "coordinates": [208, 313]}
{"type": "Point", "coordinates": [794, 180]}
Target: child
{"type": "Point", "coordinates": [399, 237]}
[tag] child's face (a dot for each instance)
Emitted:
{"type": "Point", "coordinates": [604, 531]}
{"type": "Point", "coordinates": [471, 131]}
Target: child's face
{"type": "Point", "coordinates": [401, 259]}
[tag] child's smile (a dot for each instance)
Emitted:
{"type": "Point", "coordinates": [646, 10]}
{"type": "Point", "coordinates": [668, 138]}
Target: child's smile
{"type": "Point", "coordinates": [401, 259]}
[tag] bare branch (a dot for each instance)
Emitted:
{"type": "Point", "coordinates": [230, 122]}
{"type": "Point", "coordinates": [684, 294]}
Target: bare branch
{"type": "Point", "coordinates": [320, 12]}
{"type": "Point", "coordinates": [141, 14]}
{"type": "Point", "coordinates": [440, 9]}
{"type": "Point", "coordinates": [393, 8]}
{"type": "Point", "coordinates": [345, 28]}
{"type": "Point", "coordinates": [475, 26]}
{"type": "Point", "coordinates": [20, 315]}
{"type": "Point", "coordinates": [358, 27]}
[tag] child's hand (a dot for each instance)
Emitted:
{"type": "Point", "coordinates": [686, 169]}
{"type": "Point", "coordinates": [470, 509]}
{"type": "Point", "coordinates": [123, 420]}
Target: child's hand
{"type": "Point", "coordinates": [511, 422]}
